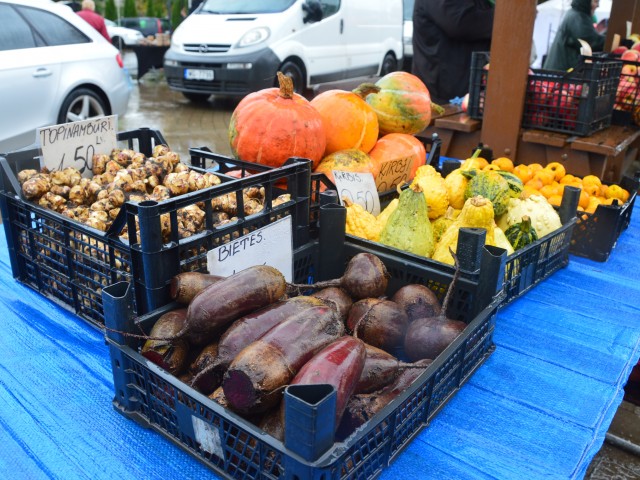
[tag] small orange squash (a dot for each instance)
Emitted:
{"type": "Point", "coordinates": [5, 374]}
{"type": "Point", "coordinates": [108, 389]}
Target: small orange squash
{"type": "Point", "coordinates": [393, 148]}
{"type": "Point", "coordinates": [403, 104]}
{"type": "Point", "coordinates": [350, 160]}
{"type": "Point", "coordinates": [271, 125]}
{"type": "Point", "coordinates": [349, 122]}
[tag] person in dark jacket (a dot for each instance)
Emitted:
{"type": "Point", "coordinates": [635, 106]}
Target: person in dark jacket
{"type": "Point", "coordinates": [577, 23]}
{"type": "Point", "coordinates": [445, 33]}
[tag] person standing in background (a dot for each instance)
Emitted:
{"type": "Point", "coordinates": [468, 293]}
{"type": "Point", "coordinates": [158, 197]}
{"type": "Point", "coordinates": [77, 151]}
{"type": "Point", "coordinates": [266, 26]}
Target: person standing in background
{"type": "Point", "coordinates": [89, 15]}
{"type": "Point", "coordinates": [576, 24]}
{"type": "Point", "coordinates": [445, 33]}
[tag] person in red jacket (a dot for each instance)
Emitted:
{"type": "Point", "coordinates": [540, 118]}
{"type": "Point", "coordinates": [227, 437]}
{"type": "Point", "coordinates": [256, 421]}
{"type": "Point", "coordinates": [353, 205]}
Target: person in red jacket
{"type": "Point", "coordinates": [88, 13]}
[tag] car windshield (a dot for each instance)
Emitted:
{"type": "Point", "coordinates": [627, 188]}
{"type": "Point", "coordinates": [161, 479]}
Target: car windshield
{"type": "Point", "coordinates": [245, 6]}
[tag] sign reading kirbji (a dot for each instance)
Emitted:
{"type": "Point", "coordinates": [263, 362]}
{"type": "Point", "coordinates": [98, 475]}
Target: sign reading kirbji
{"type": "Point", "coordinates": [358, 188]}
{"type": "Point", "coordinates": [271, 245]}
{"type": "Point", "coordinates": [74, 144]}
{"type": "Point", "coordinates": [393, 172]}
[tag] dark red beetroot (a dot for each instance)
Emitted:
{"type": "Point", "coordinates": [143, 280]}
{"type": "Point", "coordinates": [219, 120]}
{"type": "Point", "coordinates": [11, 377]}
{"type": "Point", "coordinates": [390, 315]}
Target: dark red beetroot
{"type": "Point", "coordinates": [378, 322]}
{"type": "Point", "coordinates": [338, 364]}
{"type": "Point", "coordinates": [365, 277]}
{"type": "Point", "coordinates": [418, 301]}
{"type": "Point", "coordinates": [204, 358]}
{"type": "Point", "coordinates": [172, 355]}
{"type": "Point", "coordinates": [232, 297]}
{"type": "Point", "coordinates": [428, 337]}
{"type": "Point", "coordinates": [185, 286]}
{"type": "Point", "coordinates": [254, 381]}
{"type": "Point", "coordinates": [219, 304]}
{"type": "Point", "coordinates": [244, 331]}
{"type": "Point", "coordinates": [336, 297]}
{"type": "Point", "coordinates": [380, 369]}
{"type": "Point", "coordinates": [364, 406]}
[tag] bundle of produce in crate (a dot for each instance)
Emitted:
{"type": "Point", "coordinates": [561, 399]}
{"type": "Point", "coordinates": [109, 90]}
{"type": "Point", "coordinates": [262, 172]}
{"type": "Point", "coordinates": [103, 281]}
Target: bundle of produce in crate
{"type": "Point", "coordinates": [143, 217]}
{"type": "Point", "coordinates": [270, 358]}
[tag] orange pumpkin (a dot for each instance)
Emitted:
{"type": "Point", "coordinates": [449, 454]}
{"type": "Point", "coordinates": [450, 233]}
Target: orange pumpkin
{"type": "Point", "coordinates": [350, 160]}
{"type": "Point", "coordinates": [399, 146]}
{"type": "Point", "coordinates": [271, 125]}
{"type": "Point", "coordinates": [403, 104]}
{"type": "Point", "coordinates": [349, 122]}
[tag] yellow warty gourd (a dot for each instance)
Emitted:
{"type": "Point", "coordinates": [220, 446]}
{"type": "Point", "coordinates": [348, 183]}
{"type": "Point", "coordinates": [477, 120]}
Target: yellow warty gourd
{"type": "Point", "coordinates": [441, 224]}
{"type": "Point", "coordinates": [433, 187]}
{"type": "Point", "coordinates": [360, 222]}
{"type": "Point", "coordinates": [456, 184]}
{"type": "Point", "coordinates": [476, 213]}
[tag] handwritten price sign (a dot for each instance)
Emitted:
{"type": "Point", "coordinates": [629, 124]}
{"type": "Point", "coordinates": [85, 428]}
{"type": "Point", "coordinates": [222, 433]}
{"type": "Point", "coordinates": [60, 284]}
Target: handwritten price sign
{"type": "Point", "coordinates": [74, 144]}
{"type": "Point", "coordinates": [358, 188]}
{"type": "Point", "coordinates": [269, 245]}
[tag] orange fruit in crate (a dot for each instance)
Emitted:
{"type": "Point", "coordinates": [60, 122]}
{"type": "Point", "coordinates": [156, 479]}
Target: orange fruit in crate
{"type": "Point", "coordinates": [523, 172]}
{"type": "Point", "coordinates": [557, 168]}
{"type": "Point", "coordinates": [504, 163]}
{"type": "Point", "coordinates": [584, 199]}
{"type": "Point", "coordinates": [535, 167]}
{"type": "Point", "coordinates": [603, 190]}
{"type": "Point", "coordinates": [591, 188]}
{"type": "Point", "coordinates": [528, 190]}
{"type": "Point", "coordinates": [555, 200]}
{"type": "Point", "coordinates": [615, 191]}
{"type": "Point", "coordinates": [535, 184]}
{"type": "Point", "coordinates": [549, 190]}
{"type": "Point", "coordinates": [546, 176]}
{"type": "Point", "coordinates": [593, 204]}
{"type": "Point", "coordinates": [591, 180]}
{"type": "Point", "coordinates": [567, 179]}
{"type": "Point", "coordinates": [491, 166]}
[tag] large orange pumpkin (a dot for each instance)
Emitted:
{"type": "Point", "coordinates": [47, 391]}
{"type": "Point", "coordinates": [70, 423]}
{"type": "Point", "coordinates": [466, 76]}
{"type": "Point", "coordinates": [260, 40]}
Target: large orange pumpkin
{"type": "Point", "coordinates": [271, 125]}
{"type": "Point", "coordinates": [394, 147]}
{"type": "Point", "coordinates": [350, 160]}
{"type": "Point", "coordinates": [349, 122]}
{"type": "Point", "coordinates": [403, 104]}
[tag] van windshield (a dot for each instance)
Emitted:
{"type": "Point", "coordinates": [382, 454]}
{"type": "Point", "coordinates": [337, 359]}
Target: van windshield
{"type": "Point", "coordinates": [245, 6]}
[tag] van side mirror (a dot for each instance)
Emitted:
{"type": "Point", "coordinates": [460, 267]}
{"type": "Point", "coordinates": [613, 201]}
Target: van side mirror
{"type": "Point", "coordinates": [312, 11]}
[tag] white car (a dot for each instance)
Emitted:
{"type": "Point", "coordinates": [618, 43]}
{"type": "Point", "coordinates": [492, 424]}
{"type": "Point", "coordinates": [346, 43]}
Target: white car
{"type": "Point", "coordinates": [122, 36]}
{"type": "Point", "coordinates": [54, 68]}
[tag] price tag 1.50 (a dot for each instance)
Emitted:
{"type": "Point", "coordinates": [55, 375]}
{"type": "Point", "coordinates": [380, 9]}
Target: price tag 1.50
{"type": "Point", "coordinates": [74, 144]}
{"type": "Point", "coordinates": [358, 188]}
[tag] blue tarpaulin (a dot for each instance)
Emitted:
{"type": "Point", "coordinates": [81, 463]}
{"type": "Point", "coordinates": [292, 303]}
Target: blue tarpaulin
{"type": "Point", "coordinates": [538, 408]}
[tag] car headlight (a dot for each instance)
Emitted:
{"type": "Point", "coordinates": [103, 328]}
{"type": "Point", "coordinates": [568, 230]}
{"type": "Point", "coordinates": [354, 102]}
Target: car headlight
{"type": "Point", "coordinates": [253, 37]}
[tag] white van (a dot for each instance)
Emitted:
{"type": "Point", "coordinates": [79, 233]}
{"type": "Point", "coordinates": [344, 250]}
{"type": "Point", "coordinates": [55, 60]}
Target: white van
{"type": "Point", "coordinates": [233, 48]}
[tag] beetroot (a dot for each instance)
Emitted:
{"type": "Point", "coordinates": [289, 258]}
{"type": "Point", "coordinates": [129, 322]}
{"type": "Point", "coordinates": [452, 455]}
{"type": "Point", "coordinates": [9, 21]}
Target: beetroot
{"type": "Point", "coordinates": [418, 301]}
{"type": "Point", "coordinates": [427, 337]}
{"type": "Point", "coordinates": [378, 322]}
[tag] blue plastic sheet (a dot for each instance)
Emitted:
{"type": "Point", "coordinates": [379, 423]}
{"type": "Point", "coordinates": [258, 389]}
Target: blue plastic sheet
{"type": "Point", "coordinates": [538, 408]}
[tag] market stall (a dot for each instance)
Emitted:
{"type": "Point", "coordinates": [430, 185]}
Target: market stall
{"type": "Point", "coordinates": [501, 126]}
{"type": "Point", "coordinates": [538, 408]}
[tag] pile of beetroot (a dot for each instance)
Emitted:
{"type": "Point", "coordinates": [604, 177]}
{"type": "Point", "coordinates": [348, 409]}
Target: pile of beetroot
{"type": "Point", "coordinates": [242, 339]}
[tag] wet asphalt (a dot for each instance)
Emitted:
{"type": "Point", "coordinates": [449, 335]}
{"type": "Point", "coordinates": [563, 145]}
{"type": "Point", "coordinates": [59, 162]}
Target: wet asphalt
{"type": "Point", "coordinates": [185, 125]}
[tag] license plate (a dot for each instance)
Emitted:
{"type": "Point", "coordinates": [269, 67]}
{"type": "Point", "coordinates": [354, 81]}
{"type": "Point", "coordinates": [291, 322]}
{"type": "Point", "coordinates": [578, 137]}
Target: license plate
{"type": "Point", "coordinates": [194, 74]}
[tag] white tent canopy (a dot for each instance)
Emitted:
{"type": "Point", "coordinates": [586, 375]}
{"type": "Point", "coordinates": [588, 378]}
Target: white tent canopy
{"type": "Point", "coordinates": [548, 20]}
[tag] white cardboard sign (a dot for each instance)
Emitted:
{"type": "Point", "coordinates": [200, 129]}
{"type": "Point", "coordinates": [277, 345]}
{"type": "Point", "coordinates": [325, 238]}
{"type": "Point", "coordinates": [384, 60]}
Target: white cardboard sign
{"type": "Point", "coordinates": [74, 144]}
{"type": "Point", "coordinates": [270, 245]}
{"type": "Point", "coordinates": [358, 188]}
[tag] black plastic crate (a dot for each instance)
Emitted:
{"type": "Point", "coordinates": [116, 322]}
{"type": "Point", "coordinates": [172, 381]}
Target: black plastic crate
{"type": "Point", "coordinates": [70, 262]}
{"type": "Point", "coordinates": [235, 448]}
{"type": "Point", "coordinates": [627, 92]}
{"type": "Point", "coordinates": [579, 102]}
{"type": "Point", "coordinates": [595, 234]}
{"type": "Point", "coordinates": [526, 267]}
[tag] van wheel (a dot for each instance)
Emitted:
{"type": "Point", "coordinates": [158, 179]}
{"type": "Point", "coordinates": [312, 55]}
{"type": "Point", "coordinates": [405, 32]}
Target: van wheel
{"type": "Point", "coordinates": [389, 64]}
{"type": "Point", "coordinates": [196, 97]}
{"type": "Point", "coordinates": [292, 70]}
